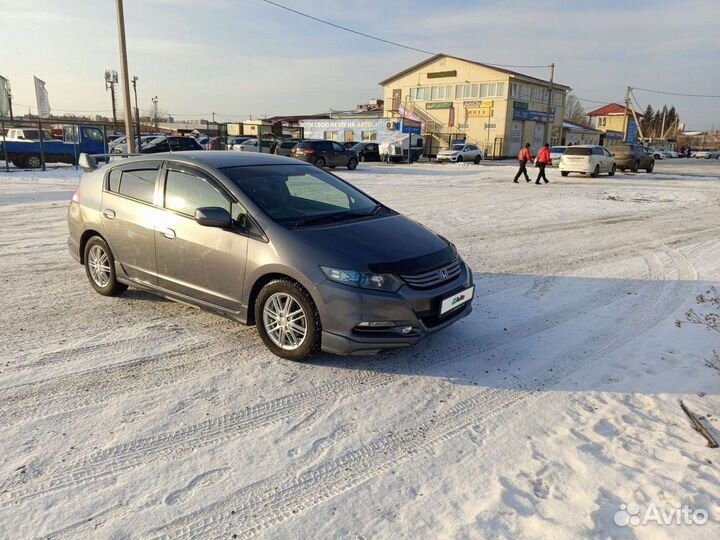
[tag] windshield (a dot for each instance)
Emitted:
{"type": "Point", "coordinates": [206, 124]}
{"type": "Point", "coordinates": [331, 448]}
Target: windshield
{"type": "Point", "coordinates": [295, 194]}
{"type": "Point", "coordinates": [577, 151]}
{"type": "Point", "coordinates": [458, 147]}
{"type": "Point", "coordinates": [357, 146]}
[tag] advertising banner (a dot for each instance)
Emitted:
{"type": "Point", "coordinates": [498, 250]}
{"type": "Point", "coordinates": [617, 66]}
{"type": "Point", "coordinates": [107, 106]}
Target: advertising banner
{"type": "Point", "coordinates": [41, 96]}
{"type": "Point", "coordinates": [4, 96]}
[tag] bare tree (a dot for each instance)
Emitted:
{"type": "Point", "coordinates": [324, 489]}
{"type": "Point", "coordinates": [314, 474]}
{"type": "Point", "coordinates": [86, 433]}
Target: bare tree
{"type": "Point", "coordinates": [574, 111]}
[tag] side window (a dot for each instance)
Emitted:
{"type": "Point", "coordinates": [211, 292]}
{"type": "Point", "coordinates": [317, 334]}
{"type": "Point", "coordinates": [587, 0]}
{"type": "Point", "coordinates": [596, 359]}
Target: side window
{"type": "Point", "coordinates": [186, 192]}
{"type": "Point", "coordinates": [325, 146]}
{"type": "Point", "coordinates": [338, 147]}
{"type": "Point", "coordinates": [114, 180]}
{"type": "Point", "coordinates": [92, 134]}
{"type": "Point", "coordinates": [138, 184]}
{"type": "Point", "coordinates": [597, 151]}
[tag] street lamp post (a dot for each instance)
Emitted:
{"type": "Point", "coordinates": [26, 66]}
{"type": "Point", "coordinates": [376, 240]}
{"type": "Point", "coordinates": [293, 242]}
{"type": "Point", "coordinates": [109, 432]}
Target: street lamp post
{"type": "Point", "coordinates": [155, 112]}
{"type": "Point", "coordinates": [124, 72]}
{"type": "Point", "coordinates": [137, 112]}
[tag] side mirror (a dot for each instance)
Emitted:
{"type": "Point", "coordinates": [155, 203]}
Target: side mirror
{"type": "Point", "coordinates": [87, 162]}
{"type": "Point", "coordinates": [613, 155]}
{"type": "Point", "coordinates": [213, 216]}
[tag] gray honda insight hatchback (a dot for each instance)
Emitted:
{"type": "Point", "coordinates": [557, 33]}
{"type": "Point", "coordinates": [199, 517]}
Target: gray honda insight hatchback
{"type": "Point", "coordinates": [313, 262]}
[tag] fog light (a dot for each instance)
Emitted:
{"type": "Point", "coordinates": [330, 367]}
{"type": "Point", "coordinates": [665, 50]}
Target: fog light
{"type": "Point", "coordinates": [406, 329]}
{"type": "Point", "coordinates": [376, 324]}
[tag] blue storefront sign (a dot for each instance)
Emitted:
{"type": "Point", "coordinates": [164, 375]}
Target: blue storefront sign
{"type": "Point", "coordinates": [415, 130]}
{"type": "Point", "coordinates": [535, 116]}
{"type": "Point", "coordinates": [632, 132]}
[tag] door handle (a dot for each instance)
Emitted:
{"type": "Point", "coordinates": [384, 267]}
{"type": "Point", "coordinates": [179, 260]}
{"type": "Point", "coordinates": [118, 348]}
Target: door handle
{"type": "Point", "coordinates": [109, 214]}
{"type": "Point", "coordinates": [168, 233]}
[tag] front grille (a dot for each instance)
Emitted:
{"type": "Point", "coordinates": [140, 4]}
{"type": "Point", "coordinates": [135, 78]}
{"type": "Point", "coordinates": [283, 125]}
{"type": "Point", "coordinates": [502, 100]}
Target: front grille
{"type": "Point", "coordinates": [433, 278]}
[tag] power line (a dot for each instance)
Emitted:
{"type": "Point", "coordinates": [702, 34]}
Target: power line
{"type": "Point", "coordinates": [675, 93]}
{"type": "Point", "coordinates": [376, 38]}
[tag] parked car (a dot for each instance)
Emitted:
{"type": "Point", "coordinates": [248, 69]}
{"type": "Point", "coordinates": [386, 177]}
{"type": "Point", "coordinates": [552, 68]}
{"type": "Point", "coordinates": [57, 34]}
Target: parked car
{"type": "Point", "coordinates": [284, 148]}
{"type": "Point", "coordinates": [459, 153]}
{"type": "Point", "coordinates": [233, 141]}
{"type": "Point", "coordinates": [313, 262]}
{"type": "Point", "coordinates": [169, 144]}
{"type": "Point", "coordinates": [348, 144]}
{"type": "Point", "coordinates": [325, 154]}
{"type": "Point", "coordinates": [366, 151]}
{"type": "Point", "coordinates": [28, 134]}
{"type": "Point", "coordinates": [707, 153]}
{"type": "Point", "coordinates": [121, 147]}
{"type": "Point", "coordinates": [658, 153]}
{"type": "Point", "coordinates": [632, 156]}
{"type": "Point", "coordinates": [556, 153]}
{"type": "Point", "coordinates": [587, 159]}
{"type": "Point", "coordinates": [251, 145]}
{"type": "Point", "coordinates": [76, 140]}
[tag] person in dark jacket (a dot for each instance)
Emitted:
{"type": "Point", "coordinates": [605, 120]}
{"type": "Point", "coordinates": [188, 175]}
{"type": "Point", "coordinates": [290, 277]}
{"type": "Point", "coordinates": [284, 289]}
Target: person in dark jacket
{"type": "Point", "coordinates": [542, 160]}
{"type": "Point", "coordinates": [523, 157]}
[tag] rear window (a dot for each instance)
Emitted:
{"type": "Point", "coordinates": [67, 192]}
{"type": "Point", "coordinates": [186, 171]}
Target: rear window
{"type": "Point", "coordinates": [288, 144]}
{"type": "Point", "coordinates": [577, 151]}
{"type": "Point", "coordinates": [306, 144]}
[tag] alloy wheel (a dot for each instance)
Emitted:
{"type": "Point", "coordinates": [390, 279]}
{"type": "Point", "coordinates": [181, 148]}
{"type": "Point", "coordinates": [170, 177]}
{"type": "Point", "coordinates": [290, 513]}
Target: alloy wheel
{"type": "Point", "coordinates": [285, 321]}
{"type": "Point", "coordinates": [99, 266]}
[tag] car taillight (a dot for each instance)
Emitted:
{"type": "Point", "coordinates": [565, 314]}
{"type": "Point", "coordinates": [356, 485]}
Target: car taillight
{"type": "Point", "coordinates": [76, 195]}
{"type": "Point", "coordinates": [310, 151]}
{"type": "Point", "coordinates": [293, 152]}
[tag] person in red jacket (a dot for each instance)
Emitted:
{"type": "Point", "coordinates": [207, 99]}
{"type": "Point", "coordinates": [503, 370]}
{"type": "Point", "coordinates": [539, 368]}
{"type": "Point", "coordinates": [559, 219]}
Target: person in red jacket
{"type": "Point", "coordinates": [542, 160]}
{"type": "Point", "coordinates": [523, 157]}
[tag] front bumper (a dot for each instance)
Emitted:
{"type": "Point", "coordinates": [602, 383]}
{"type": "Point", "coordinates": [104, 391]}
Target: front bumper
{"type": "Point", "coordinates": [343, 307]}
{"type": "Point", "coordinates": [441, 158]}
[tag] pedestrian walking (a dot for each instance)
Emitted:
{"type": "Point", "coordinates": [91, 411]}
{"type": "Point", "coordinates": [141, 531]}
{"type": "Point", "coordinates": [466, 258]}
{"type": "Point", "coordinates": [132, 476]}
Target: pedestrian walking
{"type": "Point", "coordinates": [523, 157]}
{"type": "Point", "coordinates": [542, 160]}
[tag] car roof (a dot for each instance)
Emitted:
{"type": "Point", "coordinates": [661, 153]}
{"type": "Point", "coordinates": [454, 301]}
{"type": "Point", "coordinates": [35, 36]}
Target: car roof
{"type": "Point", "coordinates": [218, 158]}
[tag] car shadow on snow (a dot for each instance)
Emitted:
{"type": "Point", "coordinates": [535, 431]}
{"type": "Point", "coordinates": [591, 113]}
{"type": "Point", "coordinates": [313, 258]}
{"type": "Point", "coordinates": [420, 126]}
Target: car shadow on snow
{"type": "Point", "coordinates": [535, 332]}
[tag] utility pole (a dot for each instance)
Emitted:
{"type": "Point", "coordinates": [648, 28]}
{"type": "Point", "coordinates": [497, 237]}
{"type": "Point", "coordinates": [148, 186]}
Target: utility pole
{"type": "Point", "coordinates": [155, 111]}
{"type": "Point", "coordinates": [137, 112]}
{"type": "Point", "coordinates": [124, 73]}
{"type": "Point", "coordinates": [662, 129]}
{"type": "Point", "coordinates": [549, 103]}
{"type": "Point", "coordinates": [9, 94]}
{"type": "Point", "coordinates": [625, 116]}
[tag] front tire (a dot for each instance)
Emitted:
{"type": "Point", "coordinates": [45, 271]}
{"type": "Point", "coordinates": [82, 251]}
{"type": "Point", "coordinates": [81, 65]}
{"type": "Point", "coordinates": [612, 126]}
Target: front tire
{"type": "Point", "coordinates": [477, 160]}
{"type": "Point", "coordinates": [636, 167]}
{"type": "Point", "coordinates": [100, 268]}
{"type": "Point", "coordinates": [287, 320]}
{"type": "Point", "coordinates": [459, 159]}
{"type": "Point", "coordinates": [352, 164]}
{"type": "Point", "coordinates": [33, 161]}
{"type": "Point", "coordinates": [650, 168]}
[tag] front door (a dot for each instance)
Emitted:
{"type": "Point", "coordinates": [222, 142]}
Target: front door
{"type": "Point", "coordinates": [128, 216]}
{"type": "Point", "coordinates": [205, 263]}
{"type": "Point", "coordinates": [339, 155]}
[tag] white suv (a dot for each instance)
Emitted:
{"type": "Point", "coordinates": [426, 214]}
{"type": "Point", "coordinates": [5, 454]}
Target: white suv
{"type": "Point", "coordinates": [587, 159]}
{"type": "Point", "coordinates": [460, 153]}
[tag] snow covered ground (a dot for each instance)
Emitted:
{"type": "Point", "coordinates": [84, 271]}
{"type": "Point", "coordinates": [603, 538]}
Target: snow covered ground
{"type": "Point", "coordinates": [553, 404]}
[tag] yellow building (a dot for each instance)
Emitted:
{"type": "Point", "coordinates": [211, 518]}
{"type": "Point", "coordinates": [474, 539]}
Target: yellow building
{"type": "Point", "coordinates": [612, 119]}
{"type": "Point", "coordinates": [457, 99]}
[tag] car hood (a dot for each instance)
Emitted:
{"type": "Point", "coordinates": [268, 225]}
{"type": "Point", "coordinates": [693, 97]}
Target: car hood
{"type": "Point", "coordinates": [393, 244]}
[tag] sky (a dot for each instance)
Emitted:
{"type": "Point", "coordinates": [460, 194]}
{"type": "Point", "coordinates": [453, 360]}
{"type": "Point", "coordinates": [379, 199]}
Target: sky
{"type": "Point", "coordinates": [245, 57]}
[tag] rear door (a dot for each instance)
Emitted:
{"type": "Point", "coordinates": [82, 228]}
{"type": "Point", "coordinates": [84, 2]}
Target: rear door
{"type": "Point", "coordinates": [129, 214]}
{"type": "Point", "coordinates": [205, 263]}
{"type": "Point", "coordinates": [340, 155]}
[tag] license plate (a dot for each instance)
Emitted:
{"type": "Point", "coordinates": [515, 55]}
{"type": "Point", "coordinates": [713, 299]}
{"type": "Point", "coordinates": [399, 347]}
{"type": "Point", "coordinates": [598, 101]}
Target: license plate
{"type": "Point", "coordinates": [456, 300]}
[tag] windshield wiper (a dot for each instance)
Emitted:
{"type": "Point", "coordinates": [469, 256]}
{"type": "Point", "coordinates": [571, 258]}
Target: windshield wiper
{"type": "Point", "coordinates": [339, 216]}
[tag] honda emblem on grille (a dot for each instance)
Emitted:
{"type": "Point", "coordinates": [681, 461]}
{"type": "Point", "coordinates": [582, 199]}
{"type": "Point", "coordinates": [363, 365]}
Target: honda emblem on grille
{"type": "Point", "coordinates": [443, 274]}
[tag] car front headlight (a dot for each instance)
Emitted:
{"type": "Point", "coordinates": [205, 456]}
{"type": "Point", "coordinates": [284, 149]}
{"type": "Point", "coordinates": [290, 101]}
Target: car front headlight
{"type": "Point", "coordinates": [365, 280]}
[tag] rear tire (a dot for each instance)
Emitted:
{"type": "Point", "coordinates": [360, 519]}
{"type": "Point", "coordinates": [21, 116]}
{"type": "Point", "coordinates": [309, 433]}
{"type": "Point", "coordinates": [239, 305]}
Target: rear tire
{"type": "Point", "coordinates": [100, 268]}
{"type": "Point", "coordinates": [477, 160]}
{"type": "Point", "coordinates": [612, 171]}
{"type": "Point", "coordinates": [564, 173]}
{"type": "Point", "coordinates": [320, 162]}
{"type": "Point", "coordinates": [33, 161]}
{"type": "Point", "coordinates": [596, 171]}
{"type": "Point", "coordinates": [284, 295]}
{"type": "Point", "coordinates": [352, 164]}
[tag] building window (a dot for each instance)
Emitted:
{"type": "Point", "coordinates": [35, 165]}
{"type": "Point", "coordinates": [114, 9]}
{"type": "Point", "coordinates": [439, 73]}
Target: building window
{"type": "Point", "coordinates": [349, 135]}
{"type": "Point", "coordinates": [420, 94]}
{"type": "Point", "coordinates": [368, 135]}
{"type": "Point", "coordinates": [330, 135]}
{"type": "Point", "coordinates": [558, 99]}
{"type": "Point", "coordinates": [441, 92]}
{"type": "Point", "coordinates": [466, 91]}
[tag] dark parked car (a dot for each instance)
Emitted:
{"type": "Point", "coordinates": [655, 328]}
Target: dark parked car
{"type": "Point", "coordinates": [284, 148]}
{"type": "Point", "coordinates": [367, 151]}
{"type": "Point", "coordinates": [632, 156]}
{"type": "Point", "coordinates": [309, 259]}
{"type": "Point", "coordinates": [325, 154]}
{"type": "Point", "coordinates": [170, 144]}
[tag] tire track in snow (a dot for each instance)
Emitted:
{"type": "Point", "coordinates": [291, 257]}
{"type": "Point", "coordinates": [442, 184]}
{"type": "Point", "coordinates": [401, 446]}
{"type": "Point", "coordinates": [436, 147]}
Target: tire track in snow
{"type": "Point", "coordinates": [175, 445]}
{"type": "Point", "coordinates": [283, 496]}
